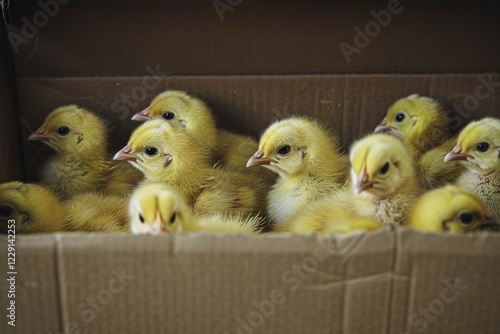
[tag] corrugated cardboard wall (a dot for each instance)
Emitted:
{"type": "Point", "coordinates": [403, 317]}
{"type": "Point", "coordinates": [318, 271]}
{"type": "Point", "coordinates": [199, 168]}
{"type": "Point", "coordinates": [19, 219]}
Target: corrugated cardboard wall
{"type": "Point", "coordinates": [351, 105]}
{"type": "Point", "coordinates": [37, 296]}
{"type": "Point", "coordinates": [382, 282]}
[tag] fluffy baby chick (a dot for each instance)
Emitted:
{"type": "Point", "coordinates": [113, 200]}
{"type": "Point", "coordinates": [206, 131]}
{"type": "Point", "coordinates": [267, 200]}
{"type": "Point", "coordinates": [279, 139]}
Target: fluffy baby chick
{"type": "Point", "coordinates": [165, 154]}
{"type": "Point", "coordinates": [96, 212]}
{"type": "Point", "coordinates": [81, 163]}
{"type": "Point", "coordinates": [157, 208]}
{"type": "Point", "coordinates": [478, 149]}
{"type": "Point", "coordinates": [383, 177]}
{"type": "Point", "coordinates": [383, 190]}
{"type": "Point", "coordinates": [423, 123]}
{"type": "Point", "coordinates": [326, 216]}
{"type": "Point", "coordinates": [308, 160]}
{"type": "Point", "coordinates": [420, 120]}
{"type": "Point", "coordinates": [195, 117]}
{"type": "Point", "coordinates": [34, 208]}
{"type": "Point", "coordinates": [184, 111]}
{"type": "Point", "coordinates": [452, 209]}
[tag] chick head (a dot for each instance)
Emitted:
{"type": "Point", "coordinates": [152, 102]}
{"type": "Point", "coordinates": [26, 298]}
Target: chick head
{"type": "Point", "coordinates": [420, 120]}
{"type": "Point", "coordinates": [184, 111]}
{"type": "Point", "coordinates": [161, 151]}
{"type": "Point", "coordinates": [71, 129]}
{"type": "Point", "coordinates": [156, 208]}
{"type": "Point", "coordinates": [452, 209]}
{"type": "Point", "coordinates": [478, 145]}
{"type": "Point", "coordinates": [31, 208]}
{"type": "Point", "coordinates": [380, 165]}
{"type": "Point", "coordinates": [293, 146]}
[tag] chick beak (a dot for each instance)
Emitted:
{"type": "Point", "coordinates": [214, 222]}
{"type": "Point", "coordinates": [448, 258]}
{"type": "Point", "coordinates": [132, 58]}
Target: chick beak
{"type": "Point", "coordinates": [142, 116]}
{"type": "Point", "coordinates": [158, 226]}
{"type": "Point", "coordinates": [383, 127]}
{"type": "Point", "coordinates": [490, 223]}
{"type": "Point", "coordinates": [456, 154]}
{"type": "Point", "coordinates": [363, 182]}
{"type": "Point", "coordinates": [124, 154]}
{"type": "Point", "coordinates": [39, 134]}
{"type": "Point", "coordinates": [257, 159]}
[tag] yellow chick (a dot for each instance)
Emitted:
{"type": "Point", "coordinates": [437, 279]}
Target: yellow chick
{"type": "Point", "coordinates": [308, 160]}
{"type": "Point", "coordinates": [195, 117]}
{"type": "Point", "coordinates": [81, 163]}
{"type": "Point", "coordinates": [383, 190]}
{"type": "Point", "coordinates": [167, 155]}
{"type": "Point", "coordinates": [478, 149]}
{"type": "Point", "coordinates": [451, 209]}
{"type": "Point", "coordinates": [156, 208]}
{"type": "Point", "coordinates": [96, 212]}
{"type": "Point", "coordinates": [33, 208]}
{"type": "Point", "coordinates": [423, 123]}
{"type": "Point", "coordinates": [384, 179]}
{"type": "Point", "coordinates": [184, 111]}
{"type": "Point", "coordinates": [36, 209]}
{"type": "Point", "coordinates": [323, 218]}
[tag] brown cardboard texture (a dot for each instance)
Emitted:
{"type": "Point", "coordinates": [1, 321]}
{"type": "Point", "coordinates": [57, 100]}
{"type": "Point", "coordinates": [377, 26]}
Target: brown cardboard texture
{"type": "Point", "coordinates": [253, 62]}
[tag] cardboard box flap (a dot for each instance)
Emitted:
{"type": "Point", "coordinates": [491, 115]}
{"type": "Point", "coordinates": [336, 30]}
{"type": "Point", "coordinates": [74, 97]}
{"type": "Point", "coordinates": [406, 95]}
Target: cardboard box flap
{"type": "Point", "coordinates": [274, 283]}
{"type": "Point", "coordinates": [37, 285]}
{"type": "Point", "coordinates": [450, 276]}
{"type": "Point", "coordinates": [382, 282]}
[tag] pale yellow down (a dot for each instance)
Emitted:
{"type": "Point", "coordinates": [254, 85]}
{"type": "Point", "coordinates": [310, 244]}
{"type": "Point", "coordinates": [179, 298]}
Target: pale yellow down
{"type": "Point", "coordinates": [326, 216]}
{"type": "Point", "coordinates": [482, 174]}
{"type": "Point", "coordinates": [449, 209]}
{"type": "Point", "coordinates": [36, 209]}
{"type": "Point", "coordinates": [81, 163]}
{"type": "Point", "coordinates": [313, 168]}
{"type": "Point", "coordinates": [96, 212]}
{"type": "Point", "coordinates": [193, 115]}
{"type": "Point", "coordinates": [383, 189]}
{"type": "Point", "coordinates": [423, 123]}
{"type": "Point", "coordinates": [156, 208]}
{"type": "Point", "coordinates": [184, 164]}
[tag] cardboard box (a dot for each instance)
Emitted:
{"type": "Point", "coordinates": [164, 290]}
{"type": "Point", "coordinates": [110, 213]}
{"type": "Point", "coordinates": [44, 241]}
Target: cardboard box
{"type": "Point", "coordinates": [253, 62]}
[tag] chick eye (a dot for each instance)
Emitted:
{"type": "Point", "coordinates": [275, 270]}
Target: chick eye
{"type": "Point", "coordinates": [151, 151]}
{"type": "Point", "coordinates": [5, 211]}
{"type": "Point", "coordinates": [168, 115]}
{"type": "Point", "coordinates": [63, 130]}
{"type": "Point", "coordinates": [384, 169]}
{"type": "Point", "coordinates": [482, 147]}
{"type": "Point", "coordinates": [141, 218]}
{"type": "Point", "coordinates": [400, 117]}
{"type": "Point", "coordinates": [284, 150]}
{"type": "Point", "coordinates": [466, 218]}
{"type": "Point", "coordinates": [172, 219]}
